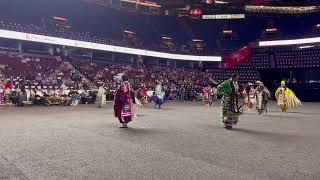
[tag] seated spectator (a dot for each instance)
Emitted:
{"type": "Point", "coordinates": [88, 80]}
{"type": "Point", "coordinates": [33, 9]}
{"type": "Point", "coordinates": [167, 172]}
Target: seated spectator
{"type": "Point", "coordinates": [21, 96]}
{"type": "Point", "coordinates": [2, 89]}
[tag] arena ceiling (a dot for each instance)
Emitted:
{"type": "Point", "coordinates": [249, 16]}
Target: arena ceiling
{"type": "Point", "coordinates": [223, 4]}
{"type": "Point", "coordinates": [242, 2]}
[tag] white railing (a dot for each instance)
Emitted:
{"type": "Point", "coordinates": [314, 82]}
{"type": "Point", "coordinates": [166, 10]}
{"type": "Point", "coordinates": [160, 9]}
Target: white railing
{"type": "Point", "coordinates": [289, 42]}
{"type": "Point", "coordinates": [103, 47]}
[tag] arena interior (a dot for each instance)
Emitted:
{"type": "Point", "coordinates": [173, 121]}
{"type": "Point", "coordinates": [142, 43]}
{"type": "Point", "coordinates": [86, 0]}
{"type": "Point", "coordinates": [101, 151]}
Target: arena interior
{"type": "Point", "coordinates": [159, 89]}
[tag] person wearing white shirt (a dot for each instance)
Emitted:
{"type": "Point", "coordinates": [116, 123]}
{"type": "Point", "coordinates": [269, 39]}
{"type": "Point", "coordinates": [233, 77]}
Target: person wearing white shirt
{"type": "Point", "coordinates": [39, 93]}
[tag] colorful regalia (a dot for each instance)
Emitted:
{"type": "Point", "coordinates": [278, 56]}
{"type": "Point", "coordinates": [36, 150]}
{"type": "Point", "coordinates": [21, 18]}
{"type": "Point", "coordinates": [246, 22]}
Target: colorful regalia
{"type": "Point", "coordinates": [262, 97]}
{"type": "Point", "coordinates": [251, 98]}
{"type": "Point", "coordinates": [245, 96]}
{"type": "Point", "coordinates": [205, 96]}
{"type": "Point", "coordinates": [124, 103]}
{"type": "Point", "coordinates": [286, 97]}
{"type": "Point", "coordinates": [142, 94]}
{"type": "Point", "coordinates": [213, 93]}
{"type": "Point", "coordinates": [159, 96]}
{"type": "Point", "coordinates": [7, 90]}
{"type": "Point", "coordinates": [101, 96]}
{"type": "Point", "coordinates": [230, 114]}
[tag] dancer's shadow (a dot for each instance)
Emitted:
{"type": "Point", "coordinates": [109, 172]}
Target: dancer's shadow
{"type": "Point", "coordinates": [141, 115]}
{"type": "Point", "coordinates": [166, 109]}
{"type": "Point", "coordinates": [294, 112]}
{"type": "Point", "coordinates": [269, 136]}
{"type": "Point", "coordinates": [277, 116]}
{"type": "Point", "coordinates": [162, 108]}
{"type": "Point", "coordinates": [311, 113]}
{"type": "Point", "coordinates": [136, 131]}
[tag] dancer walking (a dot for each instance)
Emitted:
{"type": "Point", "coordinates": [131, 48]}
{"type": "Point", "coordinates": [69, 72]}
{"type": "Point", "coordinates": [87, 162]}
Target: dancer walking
{"type": "Point", "coordinates": [101, 96]}
{"type": "Point", "coordinates": [158, 97]}
{"type": "Point", "coordinates": [230, 112]}
{"type": "Point", "coordinates": [124, 102]}
{"type": "Point", "coordinates": [262, 97]}
{"type": "Point", "coordinates": [251, 97]}
{"type": "Point", "coordinates": [286, 97]}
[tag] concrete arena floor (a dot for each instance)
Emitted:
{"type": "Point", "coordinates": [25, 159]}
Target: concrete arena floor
{"type": "Point", "coordinates": [180, 142]}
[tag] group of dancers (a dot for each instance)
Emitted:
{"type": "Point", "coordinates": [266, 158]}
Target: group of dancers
{"type": "Point", "coordinates": [210, 94]}
{"type": "Point", "coordinates": [255, 95]}
{"type": "Point", "coordinates": [229, 90]}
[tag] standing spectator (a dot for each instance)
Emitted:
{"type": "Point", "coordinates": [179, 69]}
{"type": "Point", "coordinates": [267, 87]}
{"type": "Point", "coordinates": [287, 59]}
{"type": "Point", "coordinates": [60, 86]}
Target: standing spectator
{"type": "Point", "coordinates": [182, 93]}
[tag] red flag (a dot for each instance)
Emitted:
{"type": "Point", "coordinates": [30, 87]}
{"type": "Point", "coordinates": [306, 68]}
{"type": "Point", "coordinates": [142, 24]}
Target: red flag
{"type": "Point", "coordinates": [239, 57]}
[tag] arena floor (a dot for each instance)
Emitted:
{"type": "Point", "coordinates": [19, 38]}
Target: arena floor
{"type": "Point", "coordinates": [180, 142]}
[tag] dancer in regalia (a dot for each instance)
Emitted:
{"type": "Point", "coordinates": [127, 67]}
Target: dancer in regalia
{"type": "Point", "coordinates": [101, 96]}
{"type": "Point", "coordinates": [142, 94]}
{"type": "Point", "coordinates": [158, 97]}
{"type": "Point", "coordinates": [213, 93]}
{"type": "Point", "coordinates": [205, 95]}
{"type": "Point", "coordinates": [245, 90]}
{"type": "Point", "coordinates": [229, 91]}
{"type": "Point", "coordinates": [262, 97]}
{"type": "Point", "coordinates": [124, 102]}
{"type": "Point", "coordinates": [286, 97]}
{"type": "Point", "coordinates": [251, 97]}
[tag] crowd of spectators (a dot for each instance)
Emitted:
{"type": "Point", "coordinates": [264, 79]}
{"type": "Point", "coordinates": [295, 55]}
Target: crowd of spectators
{"type": "Point", "coordinates": [55, 80]}
{"type": "Point", "coordinates": [22, 78]}
{"type": "Point", "coordinates": [179, 83]}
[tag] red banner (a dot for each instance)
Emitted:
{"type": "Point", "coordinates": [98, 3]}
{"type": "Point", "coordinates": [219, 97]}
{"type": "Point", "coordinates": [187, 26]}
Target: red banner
{"type": "Point", "coordinates": [239, 57]}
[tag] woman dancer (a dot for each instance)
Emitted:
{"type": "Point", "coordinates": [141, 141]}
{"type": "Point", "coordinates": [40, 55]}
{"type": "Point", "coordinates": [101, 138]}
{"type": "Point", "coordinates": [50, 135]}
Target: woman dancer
{"type": "Point", "coordinates": [205, 95]}
{"type": "Point", "coordinates": [251, 97]}
{"type": "Point", "coordinates": [124, 102]}
{"type": "Point", "coordinates": [101, 96]}
{"type": "Point", "coordinates": [142, 91]}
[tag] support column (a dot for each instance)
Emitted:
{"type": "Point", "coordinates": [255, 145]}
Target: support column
{"type": "Point", "coordinates": [20, 47]}
{"type": "Point", "coordinates": [200, 64]}
{"type": "Point", "coordinates": [65, 53]}
{"type": "Point", "coordinates": [191, 64]}
{"type": "Point", "coordinates": [112, 58]}
{"type": "Point", "coordinates": [140, 59]}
